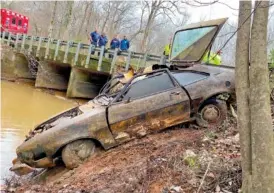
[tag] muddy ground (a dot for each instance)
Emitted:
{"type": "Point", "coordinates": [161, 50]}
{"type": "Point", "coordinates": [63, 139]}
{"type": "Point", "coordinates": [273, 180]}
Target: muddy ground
{"type": "Point", "coordinates": [181, 159]}
{"type": "Point", "coordinates": [176, 160]}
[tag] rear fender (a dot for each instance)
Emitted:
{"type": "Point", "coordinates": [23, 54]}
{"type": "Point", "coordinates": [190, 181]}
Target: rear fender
{"type": "Point", "coordinates": [220, 95]}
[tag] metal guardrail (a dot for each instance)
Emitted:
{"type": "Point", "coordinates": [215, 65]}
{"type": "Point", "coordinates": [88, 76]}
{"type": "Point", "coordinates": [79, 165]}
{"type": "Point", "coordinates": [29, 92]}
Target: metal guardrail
{"type": "Point", "coordinates": [142, 57]}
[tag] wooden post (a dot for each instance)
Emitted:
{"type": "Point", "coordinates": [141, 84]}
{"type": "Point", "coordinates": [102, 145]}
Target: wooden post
{"type": "Point", "coordinates": [9, 38]}
{"type": "Point", "coordinates": [66, 52]}
{"type": "Point", "coordinates": [39, 46]}
{"type": "Point", "coordinates": [56, 50]}
{"type": "Point", "coordinates": [88, 55]}
{"type": "Point", "coordinates": [113, 62]}
{"type": "Point", "coordinates": [163, 60]}
{"type": "Point", "coordinates": [77, 53]}
{"type": "Point", "coordinates": [30, 45]}
{"type": "Point", "coordinates": [138, 65]}
{"type": "Point", "coordinates": [23, 43]}
{"type": "Point", "coordinates": [16, 41]}
{"type": "Point", "coordinates": [128, 60]}
{"type": "Point", "coordinates": [47, 48]}
{"type": "Point", "coordinates": [99, 68]}
{"type": "Point", "coordinates": [144, 60]}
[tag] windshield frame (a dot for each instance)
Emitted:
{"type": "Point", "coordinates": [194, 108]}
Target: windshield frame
{"type": "Point", "coordinates": [208, 46]}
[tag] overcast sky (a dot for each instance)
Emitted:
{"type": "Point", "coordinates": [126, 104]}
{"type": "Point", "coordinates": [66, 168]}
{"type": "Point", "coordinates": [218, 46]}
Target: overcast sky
{"type": "Point", "coordinates": [217, 10]}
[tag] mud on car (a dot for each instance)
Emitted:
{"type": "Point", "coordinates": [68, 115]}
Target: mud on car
{"type": "Point", "coordinates": [148, 102]}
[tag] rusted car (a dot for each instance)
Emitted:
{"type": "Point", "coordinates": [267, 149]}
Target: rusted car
{"type": "Point", "coordinates": [148, 103]}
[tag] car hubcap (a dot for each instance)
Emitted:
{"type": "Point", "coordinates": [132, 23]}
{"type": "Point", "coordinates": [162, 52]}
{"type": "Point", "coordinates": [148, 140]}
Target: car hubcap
{"type": "Point", "coordinates": [210, 113]}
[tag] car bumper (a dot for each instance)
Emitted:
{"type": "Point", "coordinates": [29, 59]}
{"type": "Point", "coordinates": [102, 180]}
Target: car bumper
{"type": "Point", "coordinates": [24, 167]}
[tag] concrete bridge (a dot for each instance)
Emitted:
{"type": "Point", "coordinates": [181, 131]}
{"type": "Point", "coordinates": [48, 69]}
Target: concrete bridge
{"type": "Point", "coordinates": [66, 65]}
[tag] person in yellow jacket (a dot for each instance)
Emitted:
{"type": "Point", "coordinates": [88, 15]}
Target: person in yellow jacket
{"type": "Point", "coordinates": [212, 58]}
{"type": "Point", "coordinates": [167, 50]}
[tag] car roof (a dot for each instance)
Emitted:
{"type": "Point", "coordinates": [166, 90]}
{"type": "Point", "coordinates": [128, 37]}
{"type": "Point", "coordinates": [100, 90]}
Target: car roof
{"type": "Point", "coordinates": [210, 69]}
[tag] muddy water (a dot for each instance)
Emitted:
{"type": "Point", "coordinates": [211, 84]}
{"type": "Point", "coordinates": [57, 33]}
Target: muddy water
{"type": "Point", "coordinates": [22, 107]}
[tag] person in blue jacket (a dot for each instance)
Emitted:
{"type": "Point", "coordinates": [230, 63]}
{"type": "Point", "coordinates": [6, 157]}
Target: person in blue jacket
{"type": "Point", "coordinates": [102, 41]}
{"type": "Point", "coordinates": [94, 37]}
{"type": "Point", "coordinates": [124, 44]}
{"type": "Point", "coordinates": [115, 43]}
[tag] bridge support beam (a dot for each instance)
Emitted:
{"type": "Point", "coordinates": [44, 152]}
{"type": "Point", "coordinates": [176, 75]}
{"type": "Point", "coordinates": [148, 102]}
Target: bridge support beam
{"type": "Point", "coordinates": [52, 75]}
{"type": "Point", "coordinates": [7, 64]}
{"type": "Point", "coordinates": [85, 83]}
{"type": "Point", "coordinates": [21, 65]}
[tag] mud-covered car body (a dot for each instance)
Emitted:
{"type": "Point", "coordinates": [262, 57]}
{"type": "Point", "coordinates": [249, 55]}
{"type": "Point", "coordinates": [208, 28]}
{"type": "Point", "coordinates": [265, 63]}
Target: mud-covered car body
{"type": "Point", "coordinates": [166, 98]}
{"type": "Point", "coordinates": [149, 102]}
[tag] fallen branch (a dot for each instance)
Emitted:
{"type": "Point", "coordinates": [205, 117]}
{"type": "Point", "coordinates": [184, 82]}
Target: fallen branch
{"type": "Point", "coordinates": [203, 179]}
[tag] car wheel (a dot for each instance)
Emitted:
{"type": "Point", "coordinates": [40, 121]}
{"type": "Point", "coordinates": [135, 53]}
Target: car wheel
{"type": "Point", "coordinates": [212, 113]}
{"type": "Point", "coordinates": [77, 152]}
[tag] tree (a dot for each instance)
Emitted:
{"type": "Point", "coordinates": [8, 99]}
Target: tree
{"type": "Point", "coordinates": [52, 19]}
{"type": "Point", "coordinates": [261, 121]}
{"type": "Point", "coordinates": [68, 19]}
{"type": "Point", "coordinates": [252, 89]}
{"type": "Point", "coordinates": [152, 10]}
{"type": "Point", "coordinates": [242, 90]}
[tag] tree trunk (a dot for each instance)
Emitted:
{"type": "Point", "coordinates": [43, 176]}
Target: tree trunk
{"type": "Point", "coordinates": [52, 19]}
{"type": "Point", "coordinates": [88, 27]}
{"type": "Point", "coordinates": [242, 92]}
{"type": "Point", "coordinates": [261, 122]}
{"type": "Point", "coordinates": [106, 18]}
{"type": "Point", "coordinates": [83, 19]}
{"type": "Point", "coordinates": [68, 21]}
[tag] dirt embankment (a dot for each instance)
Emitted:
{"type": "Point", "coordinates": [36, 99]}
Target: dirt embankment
{"type": "Point", "coordinates": [175, 160]}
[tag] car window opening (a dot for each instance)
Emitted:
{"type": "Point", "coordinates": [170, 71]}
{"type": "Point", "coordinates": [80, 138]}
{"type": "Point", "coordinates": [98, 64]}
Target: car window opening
{"type": "Point", "coordinates": [187, 78]}
{"type": "Point", "coordinates": [146, 86]}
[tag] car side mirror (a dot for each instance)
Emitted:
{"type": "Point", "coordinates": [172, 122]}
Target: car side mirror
{"type": "Point", "coordinates": [127, 100]}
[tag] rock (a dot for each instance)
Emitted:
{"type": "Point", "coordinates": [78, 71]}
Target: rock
{"type": "Point", "coordinates": [176, 188]}
{"type": "Point", "coordinates": [189, 153]}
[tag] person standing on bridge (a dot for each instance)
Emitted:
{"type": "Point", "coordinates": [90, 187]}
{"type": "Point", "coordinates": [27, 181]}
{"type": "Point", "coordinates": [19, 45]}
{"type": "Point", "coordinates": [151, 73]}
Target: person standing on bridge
{"type": "Point", "coordinates": [115, 43]}
{"type": "Point", "coordinates": [94, 37]}
{"type": "Point", "coordinates": [124, 44]}
{"type": "Point", "coordinates": [102, 41]}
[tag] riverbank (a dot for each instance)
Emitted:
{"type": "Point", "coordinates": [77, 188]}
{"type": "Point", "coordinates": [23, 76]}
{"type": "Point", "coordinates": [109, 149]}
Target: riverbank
{"type": "Point", "coordinates": [175, 160]}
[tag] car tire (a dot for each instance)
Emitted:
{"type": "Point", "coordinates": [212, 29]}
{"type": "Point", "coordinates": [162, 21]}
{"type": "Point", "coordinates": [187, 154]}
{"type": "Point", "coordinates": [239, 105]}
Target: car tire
{"type": "Point", "coordinates": [75, 153]}
{"type": "Point", "coordinates": [212, 113]}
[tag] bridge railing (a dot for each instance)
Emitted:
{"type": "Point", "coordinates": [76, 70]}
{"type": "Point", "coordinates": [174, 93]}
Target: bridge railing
{"type": "Point", "coordinates": [19, 42]}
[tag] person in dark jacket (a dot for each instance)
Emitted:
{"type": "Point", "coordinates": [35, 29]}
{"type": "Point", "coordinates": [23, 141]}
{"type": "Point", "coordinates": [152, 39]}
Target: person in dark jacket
{"type": "Point", "coordinates": [94, 37]}
{"type": "Point", "coordinates": [102, 41]}
{"type": "Point", "coordinates": [115, 43]}
{"type": "Point", "coordinates": [124, 44]}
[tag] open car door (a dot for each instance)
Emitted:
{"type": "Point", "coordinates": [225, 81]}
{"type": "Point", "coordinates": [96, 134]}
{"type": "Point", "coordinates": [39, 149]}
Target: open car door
{"type": "Point", "coordinates": [150, 102]}
{"type": "Point", "coordinates": [192, 42]}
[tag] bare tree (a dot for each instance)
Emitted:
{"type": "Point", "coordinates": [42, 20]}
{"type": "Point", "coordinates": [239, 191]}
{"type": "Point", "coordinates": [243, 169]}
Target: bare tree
{"type": "Point", "coordinates": [253, 101]}
{"type": "Point", "coordinates": [261, 121]}
{"type": "Point", "coordinates": [52, 19]}
{"type": "Point", "coordinates": [68, 19]}
{"type": "Point", "coordinates": [242, 91]}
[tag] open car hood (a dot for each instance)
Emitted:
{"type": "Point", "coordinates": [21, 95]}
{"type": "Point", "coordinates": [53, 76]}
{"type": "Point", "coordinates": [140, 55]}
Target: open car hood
{"type": "Point", "coordinates": [192, 42]}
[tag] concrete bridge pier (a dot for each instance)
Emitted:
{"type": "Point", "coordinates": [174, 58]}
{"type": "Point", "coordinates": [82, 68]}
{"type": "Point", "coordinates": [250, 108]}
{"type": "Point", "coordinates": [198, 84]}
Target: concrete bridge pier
{"type": "Point", "coordinates": [21, 64]}
{"type": "Point", "coordinates": [52, 75]}
{"type": "Point", "coordinates": [7, 64]}
{"type": "Point", "coordinates": [85, 83]}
